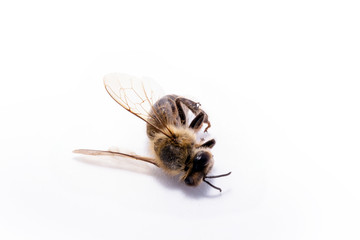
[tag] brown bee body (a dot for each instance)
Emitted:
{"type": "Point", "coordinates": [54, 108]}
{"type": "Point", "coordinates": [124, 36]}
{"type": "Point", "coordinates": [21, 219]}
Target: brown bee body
{"type": "Point", "coordinates": [173, 139]}
{"type": "Point", "coordinates": [175, 155]}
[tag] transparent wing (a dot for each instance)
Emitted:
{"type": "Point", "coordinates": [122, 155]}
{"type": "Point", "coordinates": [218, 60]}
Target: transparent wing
{"type": "Point", "coordinates": [112, 153]}
{"type": "Point", "coordinates": [135, 95]}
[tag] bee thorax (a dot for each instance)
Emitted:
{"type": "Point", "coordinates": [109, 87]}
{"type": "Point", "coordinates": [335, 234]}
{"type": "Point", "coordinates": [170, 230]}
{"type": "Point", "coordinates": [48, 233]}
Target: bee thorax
{"type": "Point", "coordinates": [173, 153]}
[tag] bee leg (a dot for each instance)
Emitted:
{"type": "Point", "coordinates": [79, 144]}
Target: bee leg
{"type": "Point", "coordinates": [197, 121]}
{"type": "Point", "coordinates": [180, 111]}
{"type": "Point", "coordinates": [194, 108]}
{"type": "Point", "coordinates": [208, 144]}
{"type": "Point", "coordinates": [208, 125]}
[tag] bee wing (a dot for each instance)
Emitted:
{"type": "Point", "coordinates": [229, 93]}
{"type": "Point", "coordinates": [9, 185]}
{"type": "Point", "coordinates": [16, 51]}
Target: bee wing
{"type": "Point", "coordinates": [112, 153]}
{"type": "Point", "coordinates": [136, 96]}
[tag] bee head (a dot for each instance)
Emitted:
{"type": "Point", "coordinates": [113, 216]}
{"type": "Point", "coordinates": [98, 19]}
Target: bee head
{"type": "Point", "coordinates": [201, 163]}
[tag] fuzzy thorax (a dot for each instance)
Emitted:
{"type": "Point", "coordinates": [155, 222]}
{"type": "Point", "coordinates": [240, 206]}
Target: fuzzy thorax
{"type": "Point", "coordinates": [172, 154]}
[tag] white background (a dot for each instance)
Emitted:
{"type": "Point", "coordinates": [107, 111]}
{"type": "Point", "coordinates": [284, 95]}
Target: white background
{"type": "Point", "coordinates": [279, 80]}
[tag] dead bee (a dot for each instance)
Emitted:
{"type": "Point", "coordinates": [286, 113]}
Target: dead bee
{"type": "Point", "coordinates": [172, 139]}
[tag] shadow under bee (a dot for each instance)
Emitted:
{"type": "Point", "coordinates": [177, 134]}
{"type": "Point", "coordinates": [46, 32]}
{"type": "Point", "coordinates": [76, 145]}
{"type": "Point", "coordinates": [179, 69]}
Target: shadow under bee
{"type": "Point", "coordinates": [171, 183]}
{"type": "Point", "coordinates": [174, 184]}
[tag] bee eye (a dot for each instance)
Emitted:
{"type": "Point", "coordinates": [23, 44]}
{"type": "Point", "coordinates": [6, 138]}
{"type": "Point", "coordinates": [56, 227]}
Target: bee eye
{"type": "Point", "coordinates": [200, 161]}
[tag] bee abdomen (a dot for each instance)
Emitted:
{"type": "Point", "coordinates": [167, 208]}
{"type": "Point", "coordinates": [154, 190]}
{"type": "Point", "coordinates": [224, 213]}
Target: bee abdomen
{"type": "Point", "coordinates": [164, 112]}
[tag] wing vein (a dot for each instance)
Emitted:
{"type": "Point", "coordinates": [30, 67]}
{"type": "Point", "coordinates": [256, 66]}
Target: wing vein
{"type": "Point", "coordinates": [123, 89]}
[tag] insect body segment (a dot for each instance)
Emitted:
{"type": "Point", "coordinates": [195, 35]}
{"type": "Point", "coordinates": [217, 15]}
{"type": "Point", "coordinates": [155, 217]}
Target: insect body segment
{"type": "Point", "coordinates": [169, 111]}
{"type": "Point", "coordinates": [180, 154]}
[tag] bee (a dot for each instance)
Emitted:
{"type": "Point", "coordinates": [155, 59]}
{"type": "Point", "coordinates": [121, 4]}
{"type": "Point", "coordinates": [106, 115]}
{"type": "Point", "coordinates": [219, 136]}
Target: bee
{"type": "Point", "coordinates": [173, 137]}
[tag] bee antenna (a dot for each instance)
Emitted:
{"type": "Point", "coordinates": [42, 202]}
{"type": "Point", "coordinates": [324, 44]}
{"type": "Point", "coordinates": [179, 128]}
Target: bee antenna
{"type": "Point", "coordinates": [216, 176]}
{"type": "Point", "coordinates": [212, 185]}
